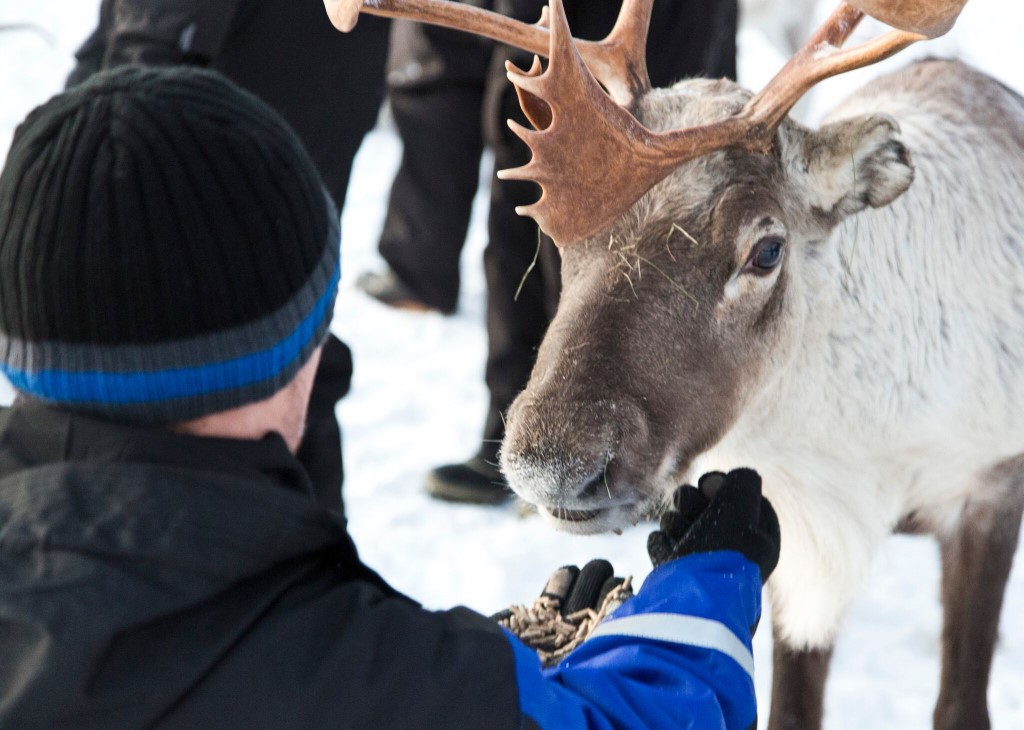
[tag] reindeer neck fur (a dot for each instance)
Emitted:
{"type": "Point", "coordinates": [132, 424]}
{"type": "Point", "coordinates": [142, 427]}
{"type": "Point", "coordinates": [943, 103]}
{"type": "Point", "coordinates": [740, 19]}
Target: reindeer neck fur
{"type": "Point", "coordinates": [898, 395]}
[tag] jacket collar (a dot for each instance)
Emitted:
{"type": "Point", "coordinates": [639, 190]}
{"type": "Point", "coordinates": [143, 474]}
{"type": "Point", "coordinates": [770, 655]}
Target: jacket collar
{"type": "Point", "coordinates": [34, 434]}
{"type": "Point", "coordinates": [208, 508]}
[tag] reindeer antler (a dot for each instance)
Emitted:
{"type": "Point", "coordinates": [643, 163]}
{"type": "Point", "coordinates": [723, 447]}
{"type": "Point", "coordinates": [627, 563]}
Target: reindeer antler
{"type": "Point", "coordinates": [619, 62]}
{"type": "Point", "coordinates": [592, 158]}
{"type": "Point", "coordinates": [927, 17]}
{"type": "Point", "coordinates": [581, 144]}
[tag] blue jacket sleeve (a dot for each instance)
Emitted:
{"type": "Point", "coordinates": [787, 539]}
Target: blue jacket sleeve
{"type": "Point", "coordinates": [677, 655]}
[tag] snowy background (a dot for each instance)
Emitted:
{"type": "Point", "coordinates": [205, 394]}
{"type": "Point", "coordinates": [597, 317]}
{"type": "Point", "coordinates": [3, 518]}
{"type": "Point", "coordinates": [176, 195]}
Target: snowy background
{"type": "Point", "coordinates": [418, 400]}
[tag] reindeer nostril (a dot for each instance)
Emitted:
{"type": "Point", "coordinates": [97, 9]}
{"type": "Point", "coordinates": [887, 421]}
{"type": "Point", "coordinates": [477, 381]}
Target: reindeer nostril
{"type": "Point", "coordinates": [590, 487]}
{"type": "Point", "coordinates": [597, 485]}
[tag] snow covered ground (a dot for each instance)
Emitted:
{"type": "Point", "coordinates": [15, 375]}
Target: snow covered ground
{"type": "Point", "coordinates": [418, 400]}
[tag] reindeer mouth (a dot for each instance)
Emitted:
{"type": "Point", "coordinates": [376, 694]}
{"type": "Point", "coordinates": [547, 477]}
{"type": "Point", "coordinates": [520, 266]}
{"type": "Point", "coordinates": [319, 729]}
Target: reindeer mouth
{"type": "Point", "coordinates": [612, 518]}
{"type": "Point", "coordinates": [574, 515]}
{"type": "Point", "coordinates": [603, 502]}
{"type": "Point", "coordinates": [591, 521]}
{"type": "Point", "coordinates": [581, 521]}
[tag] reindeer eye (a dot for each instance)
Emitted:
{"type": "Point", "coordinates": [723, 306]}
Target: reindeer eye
{"type": "Point", "coordinates": [766, 255]}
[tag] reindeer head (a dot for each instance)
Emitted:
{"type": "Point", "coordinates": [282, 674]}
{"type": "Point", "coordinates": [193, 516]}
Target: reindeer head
{"type": "Point", "coordinates": [682, 312]}
{"type": "Point", "coordinates": [683, 216]}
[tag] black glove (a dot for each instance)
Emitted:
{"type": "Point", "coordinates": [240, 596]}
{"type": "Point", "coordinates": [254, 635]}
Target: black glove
{"type": "Point", "coordinates": [724, 512]}
{"type": "Point", "coordinates": [576, 589]}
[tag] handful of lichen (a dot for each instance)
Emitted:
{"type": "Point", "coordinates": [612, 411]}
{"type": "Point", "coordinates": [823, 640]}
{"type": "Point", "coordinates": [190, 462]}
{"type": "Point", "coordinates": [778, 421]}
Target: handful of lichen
{"type": "Point", "coordinates": [553, 636]}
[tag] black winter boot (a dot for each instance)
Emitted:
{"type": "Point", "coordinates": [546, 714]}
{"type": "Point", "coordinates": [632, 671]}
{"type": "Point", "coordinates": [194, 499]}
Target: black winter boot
{"type": "Point", "coordinates": [388, 289]}
{"type": "Point", "coordinates": [476, 481]}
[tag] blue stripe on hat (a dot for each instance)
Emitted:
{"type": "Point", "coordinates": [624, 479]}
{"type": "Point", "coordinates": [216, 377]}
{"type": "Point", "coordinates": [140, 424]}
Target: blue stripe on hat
{"type": "Point", "coordinates": [92, 387]}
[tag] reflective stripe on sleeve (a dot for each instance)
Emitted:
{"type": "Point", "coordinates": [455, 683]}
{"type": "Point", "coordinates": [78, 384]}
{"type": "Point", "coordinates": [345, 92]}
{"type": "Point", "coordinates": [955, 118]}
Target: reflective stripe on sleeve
{"type": "Point", "coordinates": [678, 629]}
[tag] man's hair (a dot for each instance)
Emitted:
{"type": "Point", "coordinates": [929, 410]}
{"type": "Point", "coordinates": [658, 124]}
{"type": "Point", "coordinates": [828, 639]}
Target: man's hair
{"type": "Point", "coordinates": [167, 249]}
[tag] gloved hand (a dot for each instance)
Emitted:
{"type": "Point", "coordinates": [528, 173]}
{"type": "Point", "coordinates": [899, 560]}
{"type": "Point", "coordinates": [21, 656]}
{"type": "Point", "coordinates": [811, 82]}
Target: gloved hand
{"type": "Point", "coordinates": [724, 512]}
{"type": "Point", "coordinates": [571, 605]}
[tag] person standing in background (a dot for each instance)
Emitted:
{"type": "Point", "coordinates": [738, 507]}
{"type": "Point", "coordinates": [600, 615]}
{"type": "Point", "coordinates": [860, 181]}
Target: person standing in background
{"type": "Point", "coordinates": [327, 86]}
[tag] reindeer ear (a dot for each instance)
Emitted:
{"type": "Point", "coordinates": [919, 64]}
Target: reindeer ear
{"type": "Point", "coordinates": [853, 163]}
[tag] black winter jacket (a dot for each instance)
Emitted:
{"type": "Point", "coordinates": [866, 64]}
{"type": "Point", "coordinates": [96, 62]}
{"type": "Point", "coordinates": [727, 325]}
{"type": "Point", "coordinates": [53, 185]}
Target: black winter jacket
{"type": "Point", "coordinates": [149, 578]}
{"type": "Point", "coordinates": [153, 578]}
{"type": "Point", "coordinates": [155, 32]}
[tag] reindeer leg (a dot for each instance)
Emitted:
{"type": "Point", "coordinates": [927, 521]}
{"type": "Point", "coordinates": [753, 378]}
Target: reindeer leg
{"type": "Point", "coordinates": [798, 687]}
{"type": "Point", "coordinates": [976, 561]}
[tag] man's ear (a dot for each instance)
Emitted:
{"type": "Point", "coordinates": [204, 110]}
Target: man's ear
{"type": "Point", "coordinates": [853, 163]}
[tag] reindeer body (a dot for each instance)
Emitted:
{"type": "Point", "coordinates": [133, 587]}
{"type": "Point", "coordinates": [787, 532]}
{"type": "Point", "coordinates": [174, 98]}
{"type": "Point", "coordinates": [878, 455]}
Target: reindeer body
{"type": "Point", "coordinates": [899, 396]}
{"type": "Point", "coordinates": [873, 378]}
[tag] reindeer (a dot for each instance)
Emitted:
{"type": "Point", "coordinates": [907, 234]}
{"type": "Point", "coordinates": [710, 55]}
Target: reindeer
{"type": "Point", "coordinates": [841, 308]}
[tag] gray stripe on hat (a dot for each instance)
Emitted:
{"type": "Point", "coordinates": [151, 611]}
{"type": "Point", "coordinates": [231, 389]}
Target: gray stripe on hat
{"type": "Point", "coordinates": [193, 352]}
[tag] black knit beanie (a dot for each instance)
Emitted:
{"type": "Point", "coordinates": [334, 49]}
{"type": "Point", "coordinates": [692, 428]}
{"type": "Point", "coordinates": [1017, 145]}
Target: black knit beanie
{"type": "Point", "coordinates": [167, 249]}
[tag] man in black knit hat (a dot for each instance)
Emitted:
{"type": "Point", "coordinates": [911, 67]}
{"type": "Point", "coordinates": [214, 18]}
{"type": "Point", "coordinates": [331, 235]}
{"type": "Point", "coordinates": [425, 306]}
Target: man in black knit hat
{"type": "Point", "coordinates": [168, 271]}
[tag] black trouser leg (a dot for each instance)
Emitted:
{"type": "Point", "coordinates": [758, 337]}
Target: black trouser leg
{"type": "Point", "coordinates": [520, 300]}
{"type": "Point", "coordinates": [436, 83]}
{"type": "Point", "coordinates": [432, 193]}
{"type": "Point", "coordinates": [328, 85]}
